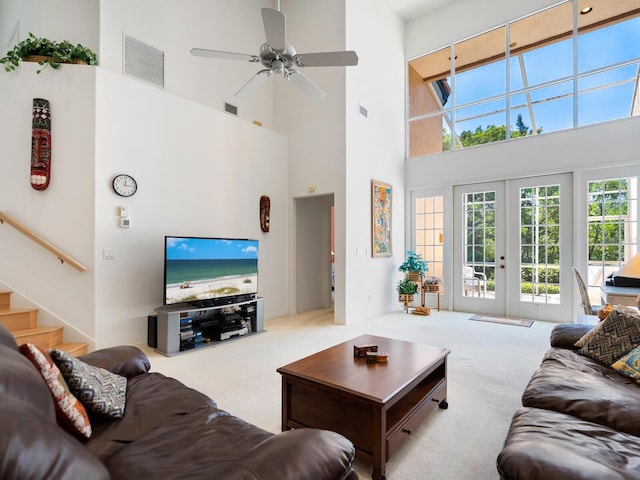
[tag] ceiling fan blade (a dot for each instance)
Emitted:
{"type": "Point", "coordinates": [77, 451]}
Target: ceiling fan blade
{"type": "Point", "coordinates": [275, 28]}
{"type": "Point", "coordinates": [327, 59]}
{"type": "Point", "coordinates": [203, 52]}
{"type": "Point", "coordinates": [254, 82]}
{"type": "Point", "coordinates": [306, 86]}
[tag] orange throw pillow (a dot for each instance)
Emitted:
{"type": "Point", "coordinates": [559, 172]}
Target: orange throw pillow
{"type": "Point", "coordinates": [70, 413]}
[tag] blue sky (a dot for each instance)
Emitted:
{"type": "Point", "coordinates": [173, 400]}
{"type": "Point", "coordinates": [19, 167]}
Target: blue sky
{"type": "Point", "coordinates": [180, 248]}
{"type": "Point", "coordinates": [597, 49]}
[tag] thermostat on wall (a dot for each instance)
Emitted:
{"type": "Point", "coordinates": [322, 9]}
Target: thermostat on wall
{"type": "Point", "coordinates": [125, 222]}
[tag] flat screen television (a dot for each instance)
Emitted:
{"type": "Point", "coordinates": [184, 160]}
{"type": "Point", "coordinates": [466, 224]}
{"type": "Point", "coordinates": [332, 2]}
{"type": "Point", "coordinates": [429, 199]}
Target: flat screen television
{"type": "Point", "coordinates": [207, 272]}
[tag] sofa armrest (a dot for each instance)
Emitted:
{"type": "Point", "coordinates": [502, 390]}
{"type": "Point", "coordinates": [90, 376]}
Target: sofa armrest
{"type": "Point", "coordinates": [34, 447]}
{"type": "Point", "coordinates": [124, 360]}
{"type": "Point", "coordinates": [320, 454]}
{"type": "Point", "coordinates": [565, 335]}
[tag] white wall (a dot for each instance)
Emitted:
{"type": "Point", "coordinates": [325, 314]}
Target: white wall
{"type": "Point", "coordinates": [375, 150]}
{"type": "Point", "coordinates": [176, 28]}
{"type": "Point", "coordinates": [200, 172]}
{"type": "Point", "coordinates": [316, 129]}
{"type": "Point", "coordinates": [138, 135]}
{"type": "Point", "coordinates": [50, 19]}
{"type": "Point", "coordinates": [57, 214]}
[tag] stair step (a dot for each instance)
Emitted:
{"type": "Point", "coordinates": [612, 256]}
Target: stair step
{"type": "Point", "coordinates": [19, 318]}
{"type": "Point", "coordinates": [5, 300]}
{"type": "Point", "coordinates": [43, 337]}
{"type": "Point", "coordinates": [74, 349]}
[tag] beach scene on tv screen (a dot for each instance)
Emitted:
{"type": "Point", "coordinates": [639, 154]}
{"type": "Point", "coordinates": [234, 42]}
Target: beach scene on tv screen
{"type": "Point", "coordinates": [205, 268]}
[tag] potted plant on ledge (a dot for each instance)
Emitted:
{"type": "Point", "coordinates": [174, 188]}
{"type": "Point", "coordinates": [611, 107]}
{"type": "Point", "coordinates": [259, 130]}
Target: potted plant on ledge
{"type": "Point", "coordinates": [47, 52]}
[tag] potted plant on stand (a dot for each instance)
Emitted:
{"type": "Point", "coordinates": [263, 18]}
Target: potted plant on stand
{"type": "Point", "coordinates": [414, 266]}
{"type": "Point", "coordinates": [406, 288]}
{"type": "Point", "coordinates": [432, 284]}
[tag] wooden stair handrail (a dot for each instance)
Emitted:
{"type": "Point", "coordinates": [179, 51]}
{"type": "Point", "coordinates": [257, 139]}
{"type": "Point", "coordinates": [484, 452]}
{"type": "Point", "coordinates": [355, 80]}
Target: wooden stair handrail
{"type": "Point", "coordinates": [43, 243]}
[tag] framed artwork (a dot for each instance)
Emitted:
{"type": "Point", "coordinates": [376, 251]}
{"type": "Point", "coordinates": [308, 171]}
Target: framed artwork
{"type": "Point", "coordinates": [381, 202]}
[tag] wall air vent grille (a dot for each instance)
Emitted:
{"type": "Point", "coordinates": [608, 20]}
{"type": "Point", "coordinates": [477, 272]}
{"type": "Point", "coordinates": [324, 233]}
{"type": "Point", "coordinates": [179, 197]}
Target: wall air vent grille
{"type": "Point", "coordinates": [143, 61]}
{"type": "Point", "coordinates": [232, 109]}
{"type": "Point", "coordinates": [363, 111]}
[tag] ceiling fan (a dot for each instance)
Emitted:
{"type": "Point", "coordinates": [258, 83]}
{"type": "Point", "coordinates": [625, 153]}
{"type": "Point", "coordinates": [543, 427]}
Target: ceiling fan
{"type": "Point", "coordinates": [277, 56]}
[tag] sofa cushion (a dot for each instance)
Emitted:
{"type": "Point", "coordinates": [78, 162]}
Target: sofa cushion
{"type": "Point", "coordinates": [153, 400]}
{"type": "Point", "coordinates": [544, 445]}
{"type": "Point", "coordinates": [571, 383]}
{"type": "Point", "coordinates": [614, 337]}
{"type": "Point", "coordinates": [124, 360]}
{"type": "Point", "coordinates": [629, 365]}
{"type": "Point", "coordinates": [21, 380]}
{"type": "Point", "coordinates": [33, 447]}
{"type": "Point", "coordinates": [98, 389]}
{"type": "Point", "coordinates": [566, 335]}
{"type": "Point", "coordinates": [70, 413]}
{"type": "Point", "coordinates": [235, 450]}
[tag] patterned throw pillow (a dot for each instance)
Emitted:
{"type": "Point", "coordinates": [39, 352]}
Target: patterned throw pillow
{"type": "Point", "coordinates": [587, 336]}
{"type": "Point", "coordinates": [70, 413]}
{"type": "Point", "coordinates": [618, 334]}
{"type": "Point", "coordinates": [98, 389]}
{"type": "Point", "coordinates": [629, 365]}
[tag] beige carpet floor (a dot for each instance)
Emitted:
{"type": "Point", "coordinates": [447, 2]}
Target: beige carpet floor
{"type": "Point", "coordinates": [488, 368]}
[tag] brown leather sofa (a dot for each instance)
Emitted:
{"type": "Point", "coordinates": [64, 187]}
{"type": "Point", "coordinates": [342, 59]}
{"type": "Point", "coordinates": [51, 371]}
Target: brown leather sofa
{"type": "Point", "coordinates": [168, 431]}
{"type": "Point", "coordinates": [580, 419]}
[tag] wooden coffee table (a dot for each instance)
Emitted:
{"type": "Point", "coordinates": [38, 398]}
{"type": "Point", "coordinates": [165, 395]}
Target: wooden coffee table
{"type": "Point", "coordinates": [376, 406]}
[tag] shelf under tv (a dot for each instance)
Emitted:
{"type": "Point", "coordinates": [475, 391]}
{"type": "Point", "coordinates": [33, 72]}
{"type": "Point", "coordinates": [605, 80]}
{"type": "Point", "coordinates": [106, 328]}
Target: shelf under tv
{"type": "Point", "coordinates": [182, 328]}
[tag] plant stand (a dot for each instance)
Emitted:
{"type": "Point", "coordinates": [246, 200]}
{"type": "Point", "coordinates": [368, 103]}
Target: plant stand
{"type": "Point", "coordinates": [430, 290]}
{"type": "Point", "coordinates": [406, 300]}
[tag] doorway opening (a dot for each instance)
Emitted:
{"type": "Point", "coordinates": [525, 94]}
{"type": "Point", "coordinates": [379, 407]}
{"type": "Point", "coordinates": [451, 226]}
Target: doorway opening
{"type": "Point", "coordinates": [314, 253]}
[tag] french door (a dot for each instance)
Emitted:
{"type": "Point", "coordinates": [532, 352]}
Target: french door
{"type": "Point", "coordinates": [512, 248]}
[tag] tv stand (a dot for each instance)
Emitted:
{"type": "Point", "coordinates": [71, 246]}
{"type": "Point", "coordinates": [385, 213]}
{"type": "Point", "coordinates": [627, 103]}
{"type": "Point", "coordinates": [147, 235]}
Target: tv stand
{"type": "Point", "coordinates": [184, 327]}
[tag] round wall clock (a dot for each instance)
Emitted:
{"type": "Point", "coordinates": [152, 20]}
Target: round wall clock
{"type": "Point", "coordinates": [124, 185]}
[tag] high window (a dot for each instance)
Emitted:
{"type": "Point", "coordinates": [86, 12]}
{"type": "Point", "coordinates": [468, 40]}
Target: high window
{"type": "Point", "coordinates": [569, 65]}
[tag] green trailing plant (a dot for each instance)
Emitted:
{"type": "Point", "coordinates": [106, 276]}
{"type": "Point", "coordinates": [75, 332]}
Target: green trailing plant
{"type": "Point", "coordinates": [406, 286]}
{"type": "Point", "coordinates": [414, 263]}
{"type": "Point", "coordinates": [56, 53]}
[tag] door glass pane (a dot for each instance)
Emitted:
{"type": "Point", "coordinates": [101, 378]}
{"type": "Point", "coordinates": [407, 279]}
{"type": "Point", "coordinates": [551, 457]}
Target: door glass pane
{"type": "Point", "coordinates": [479, 227]}
{"type": "Point", "coordinates": [612, 209]}
{"type": "Point", "coordinates": [540, 244]}
{"type": "Point", "coordinates": [429, 218]}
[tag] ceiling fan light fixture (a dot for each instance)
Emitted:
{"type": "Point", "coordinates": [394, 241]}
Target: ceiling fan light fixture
{"type": "Point", "coordinates": [277, 66]}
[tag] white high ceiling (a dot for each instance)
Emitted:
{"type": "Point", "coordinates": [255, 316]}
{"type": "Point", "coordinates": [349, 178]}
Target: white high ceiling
{"type": "Point", "coordinates": [410, 9]}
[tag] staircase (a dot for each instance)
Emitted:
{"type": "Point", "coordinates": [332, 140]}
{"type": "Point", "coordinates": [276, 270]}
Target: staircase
{"type": "Point", "coordinates": [23, 324]}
